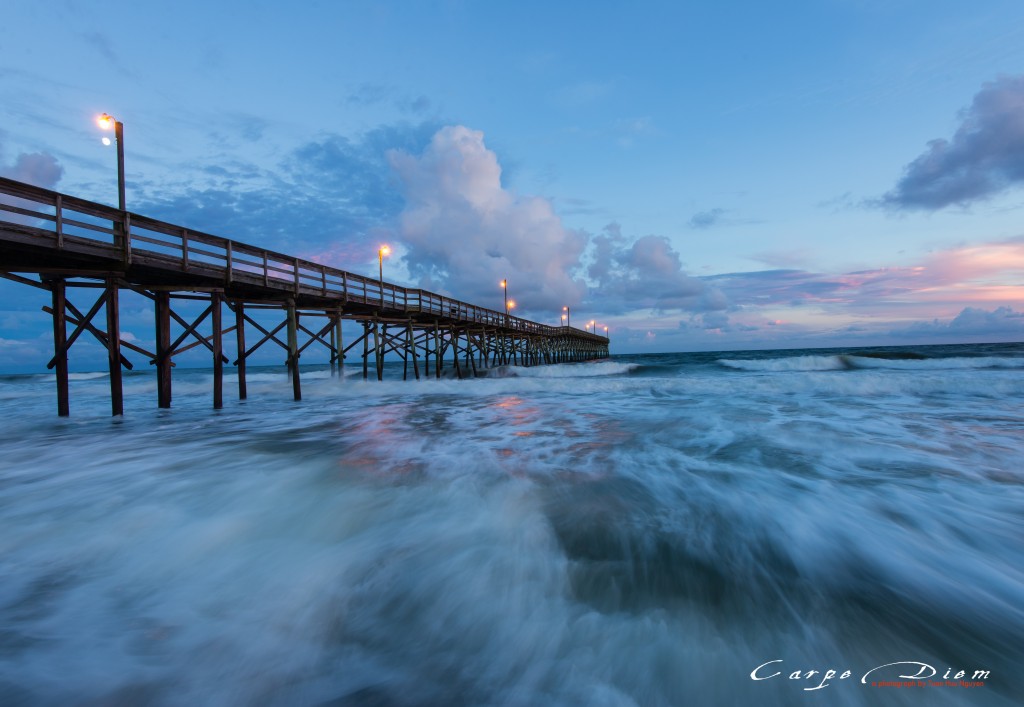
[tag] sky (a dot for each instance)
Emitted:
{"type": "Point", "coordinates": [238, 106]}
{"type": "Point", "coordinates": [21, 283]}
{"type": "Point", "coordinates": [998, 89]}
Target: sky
{"type": "Point", "coordinates": [692, 175]}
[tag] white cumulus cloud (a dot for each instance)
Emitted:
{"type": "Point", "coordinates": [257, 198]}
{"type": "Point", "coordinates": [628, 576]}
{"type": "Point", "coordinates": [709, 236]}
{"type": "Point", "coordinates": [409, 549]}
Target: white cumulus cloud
{"type": "Point", "coordinates": [465, 232]}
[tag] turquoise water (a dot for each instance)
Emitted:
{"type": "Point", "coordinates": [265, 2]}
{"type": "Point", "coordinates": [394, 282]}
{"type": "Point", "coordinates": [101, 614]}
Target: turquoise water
{"type": "Point", "coordinates": [647, 530]}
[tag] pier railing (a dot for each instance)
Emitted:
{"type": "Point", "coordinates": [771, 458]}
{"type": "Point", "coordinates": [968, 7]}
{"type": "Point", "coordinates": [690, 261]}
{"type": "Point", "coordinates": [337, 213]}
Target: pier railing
{"type": "Point", "coordinates": [39, 217]}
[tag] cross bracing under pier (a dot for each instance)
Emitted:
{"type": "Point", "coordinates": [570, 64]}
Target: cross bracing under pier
{"type": "Point", "coordinates": [71, 246]}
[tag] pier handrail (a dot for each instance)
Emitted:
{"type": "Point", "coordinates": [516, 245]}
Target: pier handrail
{"type": "Point", "coordinates": [64, 222]}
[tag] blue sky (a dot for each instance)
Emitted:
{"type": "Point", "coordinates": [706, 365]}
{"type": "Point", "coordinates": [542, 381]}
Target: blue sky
{"type": "Point", "coordinates": [696, 176]}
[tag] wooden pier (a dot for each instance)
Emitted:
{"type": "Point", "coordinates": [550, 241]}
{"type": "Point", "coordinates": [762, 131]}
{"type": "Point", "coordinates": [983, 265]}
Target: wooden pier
{"type": "Point", "coordinates": [74, 245]}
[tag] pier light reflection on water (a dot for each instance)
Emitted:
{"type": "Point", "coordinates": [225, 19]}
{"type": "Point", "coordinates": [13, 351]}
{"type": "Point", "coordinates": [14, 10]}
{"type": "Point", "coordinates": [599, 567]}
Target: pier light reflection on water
{"type": "Point", "coordinates": [516, 540]}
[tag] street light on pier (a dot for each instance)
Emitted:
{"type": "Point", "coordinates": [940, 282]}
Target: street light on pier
{"type": "Point", "coordinates": [107, 121]}
{"type": "Point", "coordinates": [381, 252]}
{"type": "Point", "coordinates": [504, 286]}
{"type": "Point", "coordinates": [566, 317]}
{"type": "Point", "coordinates": [606, 332]}
{"type": "Point", "coordinates": [593, 324]}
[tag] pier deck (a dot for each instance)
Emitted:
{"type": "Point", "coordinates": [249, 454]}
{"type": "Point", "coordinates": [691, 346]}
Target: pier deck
{"type": "Point", "coordinates": [69, 242]}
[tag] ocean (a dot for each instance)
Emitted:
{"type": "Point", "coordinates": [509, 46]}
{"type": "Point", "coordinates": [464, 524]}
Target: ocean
{"type": "Point", "coordinates": [770, 528]}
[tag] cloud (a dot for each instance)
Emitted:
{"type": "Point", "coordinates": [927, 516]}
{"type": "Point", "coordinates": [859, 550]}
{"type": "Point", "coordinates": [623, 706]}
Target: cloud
{"type": "Point", "coordinates": [974, 320]}
{"type": "Point", "coordinates": [367, 94]}
{"type": "Point", "coordinates": [707, 219]}
{"type": "Point", "coordinates": [1001, 323]}
{"type": "Point", "coordinates": [979, 261]}
{"type": "Point", "coordinates": [328, 200]}
{"type": "Point", "coordinates": [716, 322]}
{"type": "Point", "coordinates": [646, 274]}
{"type": "Point", "coordinates": [984, 158]}
{"type": "Point", "coordinates": [787, 287]}
{"type": "Point", "coordinates": [792, 258]}
{"type": "Point", "coordinates": [980, 273]}
{"type": "Point", "coordinates": [712, 218]}
{"type": "Point", "coordinates": [38, 168]}
{"type": "Point", "coordinates": [464, 232]}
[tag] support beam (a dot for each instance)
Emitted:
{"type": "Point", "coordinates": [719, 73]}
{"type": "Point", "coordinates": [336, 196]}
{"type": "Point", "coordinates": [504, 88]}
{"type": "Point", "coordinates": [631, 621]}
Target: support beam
{"type": "Point", "coordinates": [293, 349]}
{"type": "Point", "coordinates": [378, 352]}
{"type": "Point", "coordinates": [218, 348]}
{"type": "Point", "coordinates": [366, 348]}
{"type": "Point", "coordinates": [412, 350]}
{"type": "Point", "coordinates": [339, 350]}
{"type": "Point", "coordinates": [114, 348]}
{"type": "Point", "coordinates": [240, 343]}
{"type": "Point", "coordinates": [60, 346]}
{"type": "Point", "coordinates": [162, 305]}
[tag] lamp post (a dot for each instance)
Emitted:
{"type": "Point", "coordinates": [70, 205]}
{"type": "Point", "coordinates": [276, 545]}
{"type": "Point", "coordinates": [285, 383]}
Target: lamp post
{"type": "Point", "coordinates": [563, 320]}
{"type": "Point", "coordinates": [504, 286]}
{"type": "Point", "coordinates": [567, 317]}
{"type": "Point", "coordinates": [381, 252]}
{"type": "Point", "coordinates": [593, 324]}
{"type": "Point", "coordinates": [606, 332]}
{"type": "Point", "coordinates": [107, 121]}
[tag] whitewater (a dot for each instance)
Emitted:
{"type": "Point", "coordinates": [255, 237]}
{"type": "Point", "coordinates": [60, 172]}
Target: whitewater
{"type": "Point", "coordinates": [672, 529]}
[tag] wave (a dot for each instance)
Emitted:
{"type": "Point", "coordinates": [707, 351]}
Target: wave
{"type": "Point", "coordinates": [795, 363]}
{"type": "Point", "coordinates": [568, 370]}
{"type": "Point", "coordinates": [847, 362]}
{"type": "Point", "coordinates": [88, 376]}
{"type": "Point", "coordinates": [934, 364]}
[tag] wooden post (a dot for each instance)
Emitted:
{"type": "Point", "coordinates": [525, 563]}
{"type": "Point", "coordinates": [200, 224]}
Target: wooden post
{"type": "Point", "coordinates": [218, 351]}
{"type": "Point", "coordinates": [438, 354]}
{"type": "Point", "coordinates": [412, 347]}
{"type": "Point", "coordinates": [378, 352]}
{"type": "Point", "coordinates": [240, 343]}
{"type": "Point", "coordinates": [405, 354]}
{"type": "Point", "coordinates": [455, 352]}
{"type": "Point", "coordinates": [60, 344]}
{"type": "Point", "coordinates": [334, 347]}
{"type": "Point", "coordinates": [293, 349]}
{"type": "Point", "coordinates": [59, 221]}
{"type": "Point", "coordinates": [114, 349]}
{"type": "Point", "coordinates": [470, 358]}
{"type": "Point", "coordinates": [341, 347]}
{"type": "Point", "coordinates": [366, 349]}
{"type": "Point", "coordinates": [162, 303]}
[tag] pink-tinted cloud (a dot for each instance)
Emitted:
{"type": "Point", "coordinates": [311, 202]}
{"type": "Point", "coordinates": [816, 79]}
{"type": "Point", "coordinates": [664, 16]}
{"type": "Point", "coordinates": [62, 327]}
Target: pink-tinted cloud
{"type": "Point", "coordinates": [465, 232]}
{"type": "Point", "coordinates": [989, 273]}
{"type": "Point", "coordinates": [977, 262]}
